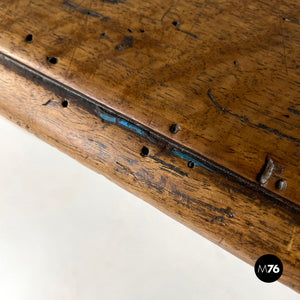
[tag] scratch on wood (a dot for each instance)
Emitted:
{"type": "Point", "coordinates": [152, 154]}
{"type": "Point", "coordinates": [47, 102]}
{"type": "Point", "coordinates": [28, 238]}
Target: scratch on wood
{"type": "Point", "coordinates": [278, 133]}
{"type": "Point", "coordinates": [98, 143]}
{"type": "Point", "coordinates": [127, 170]}
{"type": "Point", "coordinates": [34, 3]}
{"type": "Point", "coordinates": [284, 52]}
{"type": "Point", "coordinates": [48, 102]}
{"type": "Point", "coordinates": [294, 111]}
{"type": "Point", "coordinates": [291, 21]}
{"type": "Point", "coordinates": [225, 211]}
{"type": "Point", "coordinates": [83, 11]}
{"type": "Point", "coordinates": [166, 12]}
{"type": "Point", "coordinates": [72, 58]}
{"type": "Point", "coordinates": [246, 120]}
{"type": "Point", "coordinates": [214, 101]}
{"type": "Point", "coordinates": [169, 166]}
{"type": "Point", "coordinates": [113, 1]}
{"type": "Point", "coordinates": [290, 244]}
{"type": "Point", "coordinates": [189, 33]}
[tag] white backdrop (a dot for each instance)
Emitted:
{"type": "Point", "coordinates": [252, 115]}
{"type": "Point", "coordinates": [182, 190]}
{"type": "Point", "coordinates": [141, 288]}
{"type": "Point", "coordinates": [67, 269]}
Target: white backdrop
{"type": "Point", "coordinates": [68, 233]}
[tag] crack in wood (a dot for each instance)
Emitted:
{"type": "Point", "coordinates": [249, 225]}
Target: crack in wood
{"type": "Point", "coordinates": [246, 120]}
{"type": "Point", "coordinates": [171, 167]}
{"type": "Point", "coordinates": [83, 11]}
{"type": "Point", "coordinates": [291, 21]}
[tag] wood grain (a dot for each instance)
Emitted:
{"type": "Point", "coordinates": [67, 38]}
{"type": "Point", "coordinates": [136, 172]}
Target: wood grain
{"type": "Point", "coordinates": [226, 71]}
{"type": "Point", "coordinates": [237, 218]}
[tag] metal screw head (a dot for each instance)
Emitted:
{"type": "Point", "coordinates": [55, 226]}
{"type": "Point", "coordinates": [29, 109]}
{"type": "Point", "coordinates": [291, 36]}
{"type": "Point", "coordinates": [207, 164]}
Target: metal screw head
{"type": "Point", "coordinates": [281, 184]}
{"type": "Point", "coordinates": [174, 128]}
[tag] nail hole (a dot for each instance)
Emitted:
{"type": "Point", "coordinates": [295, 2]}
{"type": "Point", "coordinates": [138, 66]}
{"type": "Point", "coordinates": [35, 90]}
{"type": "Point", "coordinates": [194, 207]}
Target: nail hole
{"type": "Point", "coordinates": [29, 38]}
{"type": "Point", "coordinates": [104, 34]}
{"type": "Point", "coordinates": [176, 23]}
{"type": "Point", "coordinates": [52, 60]}
{"type": "Point", "coordinates": [191, 164]}
{"type": "Point", "coordinates": [65, 103]}
{"type": "Point", "coordinates": [119, 47]}
{"type": "Point", "coordinates": [142, 30]}
{"type": "Point", "coordinates": [174, 128]}
{"type": "Point", "coordinates": [235, 63]}
{"type": "Point", "coordinates": [145, 151]}
{"type": "Point", "coordinates": [130, 30]}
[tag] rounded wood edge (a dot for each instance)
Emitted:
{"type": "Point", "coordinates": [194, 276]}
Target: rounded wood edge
{"type": "Point", "coordinates": [239, 220]}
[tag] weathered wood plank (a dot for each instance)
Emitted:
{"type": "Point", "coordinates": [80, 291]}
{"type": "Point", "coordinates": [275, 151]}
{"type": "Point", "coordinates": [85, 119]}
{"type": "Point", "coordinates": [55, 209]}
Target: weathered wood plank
{"type": "Point", "coordinates": [237, 218]}
{"type": "Point", "coordinates": [226, 71]}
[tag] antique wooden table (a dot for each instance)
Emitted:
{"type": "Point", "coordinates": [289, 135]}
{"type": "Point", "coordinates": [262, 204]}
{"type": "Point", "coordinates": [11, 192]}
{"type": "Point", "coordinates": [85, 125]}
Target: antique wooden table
{"type": "Point", "coordinates": [194, 106]}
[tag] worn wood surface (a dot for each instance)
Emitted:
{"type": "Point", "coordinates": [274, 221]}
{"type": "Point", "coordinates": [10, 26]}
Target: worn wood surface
{"type": "Point", "coordinates": [226, 71]}
{"type": "Point", "coordinates": [104, 81]}
{"type": "Point", "coordinates": [235, 217]}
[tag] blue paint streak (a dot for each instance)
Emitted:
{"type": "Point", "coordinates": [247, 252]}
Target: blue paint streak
{"type": "Point", "coordinates": [136, 129]}
{"type": "Point", "coordinates": [130, 126]}
{"type": "Point", "coordinates": [108, 118]}
{"type": "Point", "coordinates": [188, 158]}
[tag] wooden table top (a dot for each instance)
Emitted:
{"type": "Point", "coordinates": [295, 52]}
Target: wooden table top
{"type": "Point", "coordinates": [208, 84]}
{"type": "Point", "coordinates": [227, 72]}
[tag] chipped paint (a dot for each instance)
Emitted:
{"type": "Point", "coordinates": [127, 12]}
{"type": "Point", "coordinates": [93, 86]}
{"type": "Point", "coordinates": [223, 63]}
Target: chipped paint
{"type": "Point", "coordinates": [132, 127]}
{"type": "Point", "coordinates": [124, 123]}
{"type": "Point", "coordinates": [136, 129]}
{"type": "Point", "coordinates": [108, 118]}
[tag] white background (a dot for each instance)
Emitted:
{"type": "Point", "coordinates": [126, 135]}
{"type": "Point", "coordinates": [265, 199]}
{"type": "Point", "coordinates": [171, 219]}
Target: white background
{"type": "Point", "coordinates": [68, 233]}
